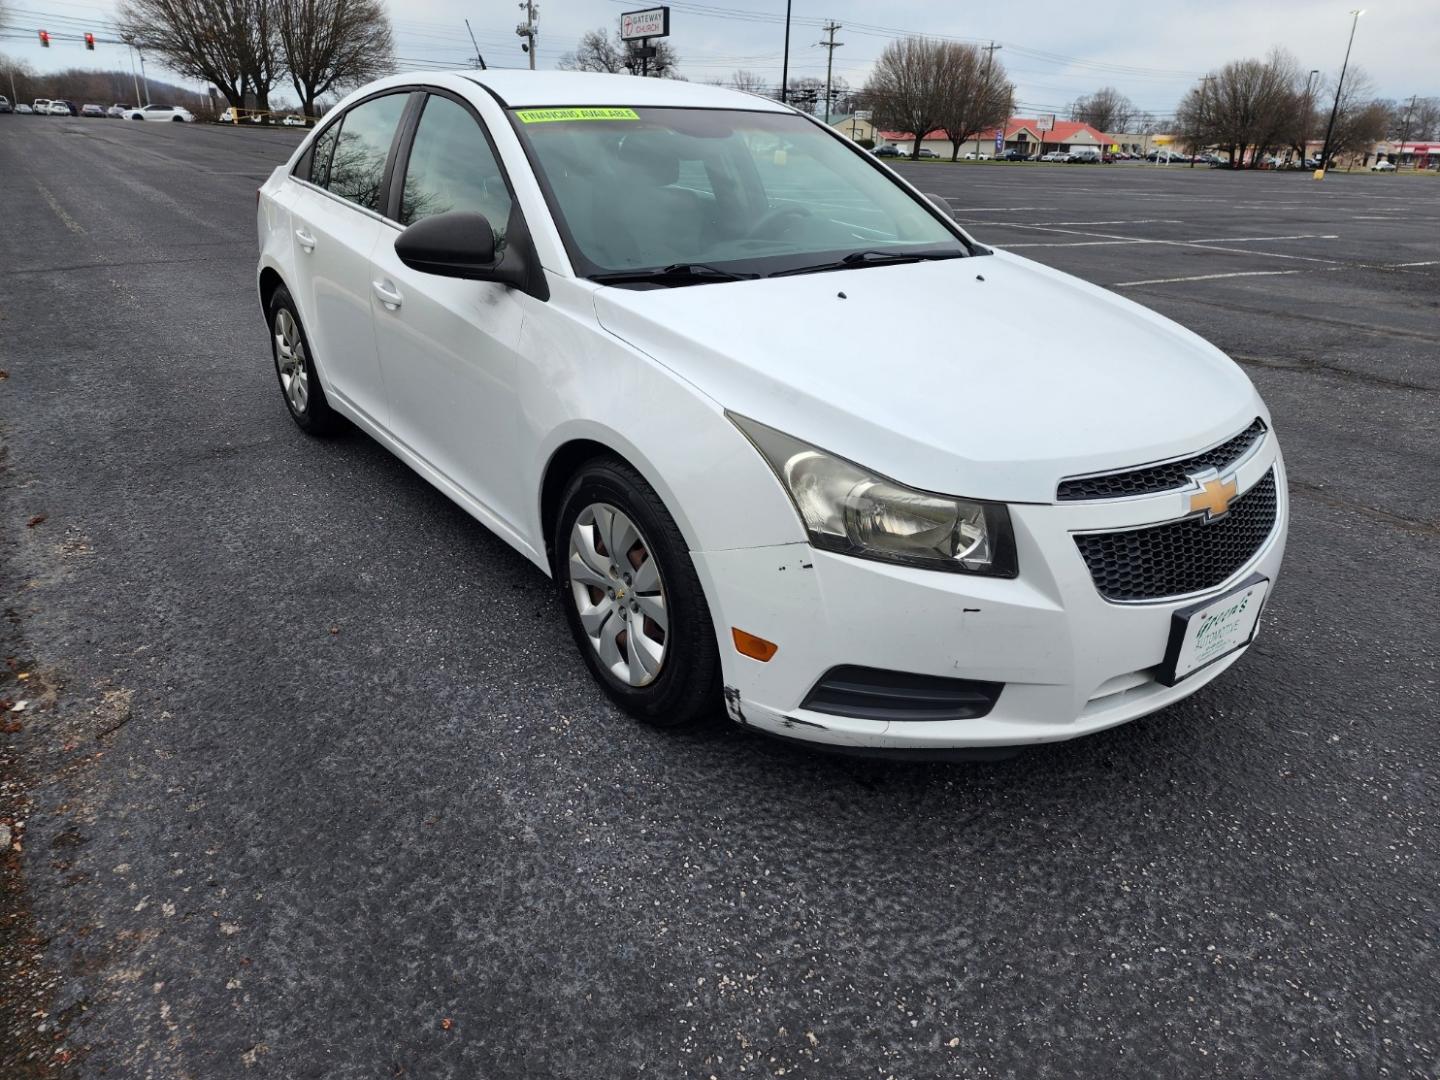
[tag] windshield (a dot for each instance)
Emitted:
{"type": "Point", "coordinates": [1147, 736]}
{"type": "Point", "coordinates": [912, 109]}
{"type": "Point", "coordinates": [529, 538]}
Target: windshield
{"type": "Point", "coordinates": [734, 193]}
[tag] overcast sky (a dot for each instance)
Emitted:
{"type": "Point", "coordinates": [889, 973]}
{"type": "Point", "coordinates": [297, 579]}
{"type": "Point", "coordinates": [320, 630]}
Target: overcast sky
{"type": "Point", "coordinates": [1054, 50]}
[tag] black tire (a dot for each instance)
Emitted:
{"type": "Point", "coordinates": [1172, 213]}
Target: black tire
{"type": "Point", "coordinates": [316, 418]}
{"type": "Point", "coordinates": [687, 688]}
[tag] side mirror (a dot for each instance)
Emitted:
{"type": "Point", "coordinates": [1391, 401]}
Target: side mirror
{"type": "Point", "coordinates": [940, 203]}
{"type": "Point", "coordinates": [460, 244]}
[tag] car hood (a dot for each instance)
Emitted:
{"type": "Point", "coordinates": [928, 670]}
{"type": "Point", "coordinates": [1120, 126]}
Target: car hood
{"type": "Point", "coordinates": [990, 377]}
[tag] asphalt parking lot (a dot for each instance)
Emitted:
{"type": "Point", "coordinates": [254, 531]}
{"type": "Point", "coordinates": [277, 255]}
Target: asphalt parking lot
{"type": "Point", "coordinates": [313, 783]}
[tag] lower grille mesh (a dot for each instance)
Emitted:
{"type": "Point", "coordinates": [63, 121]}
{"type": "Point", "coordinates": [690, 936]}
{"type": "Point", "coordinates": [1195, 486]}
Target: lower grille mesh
{"type": "Point", "coordinates": [1181, 557]}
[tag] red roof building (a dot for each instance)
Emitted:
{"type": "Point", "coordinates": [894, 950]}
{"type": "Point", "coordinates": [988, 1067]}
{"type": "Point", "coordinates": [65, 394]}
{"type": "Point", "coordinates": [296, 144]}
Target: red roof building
{"type": "Point", "coordinates": [1021, 133]}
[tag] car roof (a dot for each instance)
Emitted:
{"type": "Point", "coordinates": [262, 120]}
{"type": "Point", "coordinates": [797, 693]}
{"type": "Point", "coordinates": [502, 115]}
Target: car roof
{"type": "Point", "coordinates": [522, 89]}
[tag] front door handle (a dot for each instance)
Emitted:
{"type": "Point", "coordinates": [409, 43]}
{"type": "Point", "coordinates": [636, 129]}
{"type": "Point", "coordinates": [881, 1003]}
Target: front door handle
{"type": "Point", "coordinates": [306, 240]}
{"type": "Point", "coordinates": [387, 294]}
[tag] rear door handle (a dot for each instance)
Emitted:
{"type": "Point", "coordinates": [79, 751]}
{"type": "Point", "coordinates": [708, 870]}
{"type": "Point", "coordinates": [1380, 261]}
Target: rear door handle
{"type": "Point", "coordinates": [387, 294]}
{"type": "Point", "coordinates": [306, 240]}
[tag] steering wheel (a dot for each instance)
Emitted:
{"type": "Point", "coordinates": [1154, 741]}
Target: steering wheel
{"type": "Point", "coordinates": [769, 222]}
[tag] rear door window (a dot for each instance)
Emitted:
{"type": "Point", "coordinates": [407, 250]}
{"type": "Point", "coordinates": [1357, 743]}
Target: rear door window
{"type": "Point", "coordinates": [357, 163]}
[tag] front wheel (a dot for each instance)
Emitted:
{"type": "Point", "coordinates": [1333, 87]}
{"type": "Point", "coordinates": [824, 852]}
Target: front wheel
{"type": "Point", "coordinates": [632, 598]}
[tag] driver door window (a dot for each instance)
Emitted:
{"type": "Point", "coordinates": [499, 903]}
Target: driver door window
{"type": "Point", "coordinates": [451, 167]}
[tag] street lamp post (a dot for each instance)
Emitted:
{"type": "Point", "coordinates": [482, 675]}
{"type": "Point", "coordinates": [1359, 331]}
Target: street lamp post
{"type": "Point", "coordinates": [1339, 85]}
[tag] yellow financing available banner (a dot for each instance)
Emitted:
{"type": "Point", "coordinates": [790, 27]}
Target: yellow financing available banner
{"type": "Point", "coordinates": [546, 116]}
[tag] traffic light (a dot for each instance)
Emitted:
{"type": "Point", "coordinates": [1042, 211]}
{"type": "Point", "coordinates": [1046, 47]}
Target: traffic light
{"type": "Point", "coordinates": [44, 39]}
{"type": "Point", "coordinates": [90, 42]}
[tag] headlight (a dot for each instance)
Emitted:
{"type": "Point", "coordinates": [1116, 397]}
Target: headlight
{"type": "Point", "coordinates": [852, 511]}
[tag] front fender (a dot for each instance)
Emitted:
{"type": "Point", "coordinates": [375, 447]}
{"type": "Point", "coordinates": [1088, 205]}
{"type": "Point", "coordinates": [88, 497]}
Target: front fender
{"type": "Point", "coordinates": [596, 387]}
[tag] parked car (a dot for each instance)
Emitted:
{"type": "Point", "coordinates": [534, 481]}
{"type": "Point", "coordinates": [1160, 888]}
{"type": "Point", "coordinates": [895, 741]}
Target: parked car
{"type": "Point", "coordinates": [92, 110]}
{"type": "Point", "coordinates": [1012, 155]}
{"type": "Point", "coordinates": [5, 106]}
{"type": "Point", "coordinates": [888, 151]}
{"type": "Point", "coordinates": [1055, 155]}
{"type": "Point", "coordinates": [61, 108]}
{"type": "Point", "coordinates": [506, 286]}
{"type": "Point", "coordinates": [1383, 166]}
{"type": "Point", "coordinates": [175, 113]}
{"type": "Point", "coordinates": [972, 156]}
{"type": "Point", "coordinates": [117, 111]}
{"type": "Point", "coordinates": [926, 152]}
{"type": "Point", "coordinates": [41, 106]}
{"type": "Point", "coordinates": [292, 121]}
{"type": "Point", "coordinates": [24, 110]}
{"type": "Point", "coordinates": [1086, 157]}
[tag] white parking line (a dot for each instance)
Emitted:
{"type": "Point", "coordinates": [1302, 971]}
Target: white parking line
{"type": "Point", "coordinates": [1206, 277]}
{"type": "Point", "coordinates": [1252, 239]}
{"type": "Point", "coordinates": [1196, 244]}
{"type": "Point", "coordinates": [996, 209]}
{"type": "Point", "coordinates": [1134, 221]}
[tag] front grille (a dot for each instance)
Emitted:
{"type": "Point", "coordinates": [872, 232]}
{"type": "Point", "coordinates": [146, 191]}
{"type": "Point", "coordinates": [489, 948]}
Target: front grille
{"type": "Point", "coordinates": [1166, 476]}
{"type": "Point", "coordinates": [877, 694]}
{"type": "Point", "coordinates": [1181, 557]}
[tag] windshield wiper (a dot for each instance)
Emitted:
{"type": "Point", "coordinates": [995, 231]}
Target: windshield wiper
{"type": "Point", "coordinates": [671, 276]}
{"type": "Point", "coordinates": [857, 259]}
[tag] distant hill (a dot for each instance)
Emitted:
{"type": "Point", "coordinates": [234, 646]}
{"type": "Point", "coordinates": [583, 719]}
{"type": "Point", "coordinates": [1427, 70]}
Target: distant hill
{"type": "Point", "coordinates": [100, 87]}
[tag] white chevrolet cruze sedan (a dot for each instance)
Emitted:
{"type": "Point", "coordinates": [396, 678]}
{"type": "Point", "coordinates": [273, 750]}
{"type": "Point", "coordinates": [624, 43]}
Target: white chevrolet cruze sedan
{"type": "Point", "coordinates": [643, 330]}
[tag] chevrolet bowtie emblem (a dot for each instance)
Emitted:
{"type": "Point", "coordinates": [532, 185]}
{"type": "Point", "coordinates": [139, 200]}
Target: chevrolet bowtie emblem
{"type": "Point", "coordinates": [1213, 498]}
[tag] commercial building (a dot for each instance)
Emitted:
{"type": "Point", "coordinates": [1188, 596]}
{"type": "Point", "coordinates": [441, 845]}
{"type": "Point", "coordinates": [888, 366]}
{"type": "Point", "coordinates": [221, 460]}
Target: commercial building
{"type": "Point", "coordinates": [1029, 135]}
{"type": "Point", "coordinates": [856, 126]}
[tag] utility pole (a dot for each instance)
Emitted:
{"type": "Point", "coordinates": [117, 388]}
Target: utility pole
{"type": "Point", "coordinates": [528, 30]}
{"type": "Point", "coordinates": [143, 77]}
{"type": "Point", "coordinates": [985, 90]}
{"type": "Point", "coordinates": [1405, 130]}
{"type": "Point", "coordinates": [785, 63]}
{"type": "Point", "coordinates": [479, 59]}
{"type": "Point", "coordinates": [830, 44]}
{"type": "Point", "coordinates": [1204, 101]}
{"type": "Point", "coordinates": [1339, 85]}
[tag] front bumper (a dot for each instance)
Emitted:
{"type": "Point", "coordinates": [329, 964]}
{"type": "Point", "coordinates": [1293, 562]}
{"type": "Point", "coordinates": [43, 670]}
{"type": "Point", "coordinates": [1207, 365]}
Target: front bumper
{"type": "Point", "coordinates": [1072, 662]}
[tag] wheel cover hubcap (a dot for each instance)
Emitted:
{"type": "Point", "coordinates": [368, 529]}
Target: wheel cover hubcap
{"type": "Point", "coordinates": [618, 591]}
{"type": "Point", "coordinates": [291, 360]}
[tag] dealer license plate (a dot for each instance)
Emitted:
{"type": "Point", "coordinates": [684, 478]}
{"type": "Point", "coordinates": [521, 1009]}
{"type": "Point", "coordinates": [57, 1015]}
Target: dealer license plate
{"type": "Point", "coordinates": [1204, 633]}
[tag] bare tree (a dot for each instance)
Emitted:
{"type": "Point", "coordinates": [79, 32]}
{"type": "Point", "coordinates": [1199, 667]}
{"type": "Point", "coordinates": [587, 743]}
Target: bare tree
{"type": "Point", "coordinates": [1247, 106]}
{"type": "Point", "coordinates": [333, 44]}
{"type": "Point", "coordinates": [1426, 120]}
{"type": "Point", "coordinates": [1107, 110]}
{"type": "Point", "coordinates": [975, 94]}
{"type": "Point", "coordinates": [748, 82]}
{"type": "Point", "coordinates": [228, 43]}
{"type": "Point", "coordinates": [1361, 120]}
{"type": "Point", "coordinates": [21, 75]}
{"type": "Point", "coordinates": [599, 51]}
{"type": "Point", "coordinates": [1414, 119]}
{"type": "Point", "coordinates": [806, 93]}
{"type": "Point", "coordinates": [907, 86]}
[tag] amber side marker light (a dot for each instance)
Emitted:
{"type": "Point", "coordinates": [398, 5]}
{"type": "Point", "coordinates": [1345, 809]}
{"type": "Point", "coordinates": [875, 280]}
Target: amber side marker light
{"type": "Point", "coordinates": [757, 648]}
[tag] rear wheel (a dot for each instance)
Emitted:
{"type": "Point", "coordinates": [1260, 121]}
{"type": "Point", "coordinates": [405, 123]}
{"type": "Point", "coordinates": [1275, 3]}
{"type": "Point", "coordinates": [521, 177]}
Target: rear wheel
{"type": "Point", "coordinates": [632, 598]}
{"type": "Point", "coordinates": [295, 368]}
